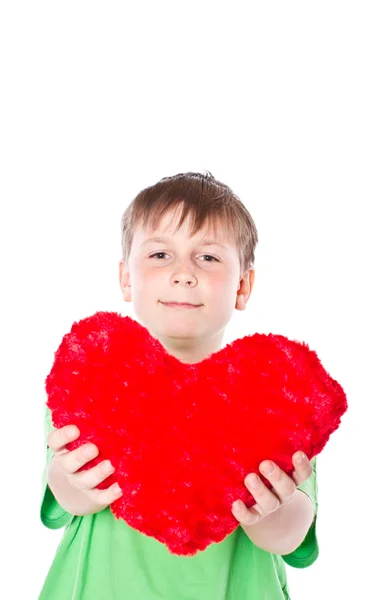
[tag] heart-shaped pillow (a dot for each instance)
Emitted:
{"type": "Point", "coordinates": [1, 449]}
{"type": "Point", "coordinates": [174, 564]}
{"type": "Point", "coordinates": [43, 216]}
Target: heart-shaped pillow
{"type": "Point", "coordinates": [182, 437]}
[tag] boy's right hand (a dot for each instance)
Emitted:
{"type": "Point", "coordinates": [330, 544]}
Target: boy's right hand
{"type": "Point", "coordinates": [67, 463]}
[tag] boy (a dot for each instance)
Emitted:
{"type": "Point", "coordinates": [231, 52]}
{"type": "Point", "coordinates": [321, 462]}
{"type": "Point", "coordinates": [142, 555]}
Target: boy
{"type": "Point", "coordinates": [188, 253]}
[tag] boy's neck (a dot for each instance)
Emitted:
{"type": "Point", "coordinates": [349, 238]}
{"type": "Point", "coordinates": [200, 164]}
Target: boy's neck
{"type": "Point", "coordinates": [193, 350]}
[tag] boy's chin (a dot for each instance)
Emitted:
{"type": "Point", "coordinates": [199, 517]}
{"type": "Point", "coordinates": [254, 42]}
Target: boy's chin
{"type": "Point", "coordinates": [176, 332]}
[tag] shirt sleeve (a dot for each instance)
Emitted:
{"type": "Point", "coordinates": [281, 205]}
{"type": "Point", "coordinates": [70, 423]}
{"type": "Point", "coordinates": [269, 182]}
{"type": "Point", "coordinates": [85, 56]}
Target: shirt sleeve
{"type": "Point", "coordinates": [308, 551]}
{"type": "Point", "coordinates": [52, 515]}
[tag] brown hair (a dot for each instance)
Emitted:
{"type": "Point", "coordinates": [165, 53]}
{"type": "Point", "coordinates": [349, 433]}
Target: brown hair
{"type": "Point", "coordinates": [202, 196]}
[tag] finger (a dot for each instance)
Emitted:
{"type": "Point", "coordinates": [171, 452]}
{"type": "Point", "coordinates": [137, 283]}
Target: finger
{"type": "Point", "coordinates": [74, 460]}
{"type": "Point", "coordinates": [88, 480]}
{"type": "Point", "coordinates": [246, 516]}
{"type": "Point", "coordinates": [283, 485]}
{"type": "Point", "coordinates": [105, 497]}
{"type": "Point", "coordinates": [266, 500]}
{"type": "Point", "coordinates": [303, 468]}
{"type": "Point", "coordinates": [57, 439]}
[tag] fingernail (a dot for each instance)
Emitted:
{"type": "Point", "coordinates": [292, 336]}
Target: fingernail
{"type": "Point", "coordinates": [237, 504]}
{"type": "Point", "coordinates": [89, 451]}
{"type": "Point", "coordinates": [301, 457]}
{"type": "Point", "coordinates": [268, 468]}
{"type": "Point", "coordinates": [116, 488]}
{"type": "Point", "coordinates": [72, 432]}
{"type": "Point", "coordinates": [108, 467]}
{"type": "Point", "coordinates": [252, 481]}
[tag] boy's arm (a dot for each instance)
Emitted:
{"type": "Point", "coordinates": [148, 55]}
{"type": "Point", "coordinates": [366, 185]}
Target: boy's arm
{"type": "Point", "coordinates": [68, 491]}
{"type": "Point", "coordinates": [73, 500]}
{"type": "Point", "coordinates": [52, 514]}
{"type": "Point", "coordinates": [284, 530]}
{"type": "Point", "coordinates": [287, 528]}
{"type": "Point", "coordinates": [308, 551]}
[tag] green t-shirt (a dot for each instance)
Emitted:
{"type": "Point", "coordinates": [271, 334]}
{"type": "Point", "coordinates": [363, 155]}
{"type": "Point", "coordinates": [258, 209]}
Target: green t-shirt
{"type": "Point", "coordinates": [102, 558]}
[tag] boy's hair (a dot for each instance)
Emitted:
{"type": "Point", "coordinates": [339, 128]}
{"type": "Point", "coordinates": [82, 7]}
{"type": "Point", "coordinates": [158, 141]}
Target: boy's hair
{"type": "Point", "coordinates": [203, 197]}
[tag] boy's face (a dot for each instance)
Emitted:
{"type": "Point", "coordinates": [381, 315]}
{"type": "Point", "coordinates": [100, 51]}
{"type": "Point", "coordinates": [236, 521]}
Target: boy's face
{"type": "Point", "coordinates": [179, 269]}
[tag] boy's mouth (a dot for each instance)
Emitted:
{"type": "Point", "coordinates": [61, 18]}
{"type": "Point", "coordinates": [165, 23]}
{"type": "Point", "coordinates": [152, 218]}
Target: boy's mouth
{"type": "Point", "coordinates": [180, 304]}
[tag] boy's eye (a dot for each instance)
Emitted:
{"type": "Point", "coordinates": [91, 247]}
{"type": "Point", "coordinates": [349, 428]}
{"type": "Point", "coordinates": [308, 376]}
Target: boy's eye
{"type": "Point", "coordinates": [207, 255]}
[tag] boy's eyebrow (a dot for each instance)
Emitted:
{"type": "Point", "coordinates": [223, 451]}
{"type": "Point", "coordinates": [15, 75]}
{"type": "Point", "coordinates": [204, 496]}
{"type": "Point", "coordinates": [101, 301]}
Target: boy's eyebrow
{"type": "Point", "coordinates": [204, 242]}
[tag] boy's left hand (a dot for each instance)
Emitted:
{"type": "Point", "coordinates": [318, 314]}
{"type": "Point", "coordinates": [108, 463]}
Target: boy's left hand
{"type": "Point", "coordinates": [283, 488]}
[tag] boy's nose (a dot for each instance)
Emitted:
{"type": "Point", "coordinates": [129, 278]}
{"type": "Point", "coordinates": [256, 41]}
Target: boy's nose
{"type": "Point", "coordinates": [189, 282]}
{"type": "Point", "coordinates": [187, 279]}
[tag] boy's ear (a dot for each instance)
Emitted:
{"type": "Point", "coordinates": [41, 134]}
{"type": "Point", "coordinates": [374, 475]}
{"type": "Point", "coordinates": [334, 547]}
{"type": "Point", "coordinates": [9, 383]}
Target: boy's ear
{"type": "Point", "coordinates": [124, 278]}
{"type": "Point", "coordinates": [245, 287]}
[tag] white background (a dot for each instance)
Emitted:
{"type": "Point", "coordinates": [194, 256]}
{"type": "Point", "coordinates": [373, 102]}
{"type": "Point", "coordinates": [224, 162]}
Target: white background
{"type": "Point", "coordinates": [283, 101]}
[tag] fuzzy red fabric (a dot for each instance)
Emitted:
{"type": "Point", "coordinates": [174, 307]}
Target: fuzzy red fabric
{"type": "Point", "coordinates": [182, 437]}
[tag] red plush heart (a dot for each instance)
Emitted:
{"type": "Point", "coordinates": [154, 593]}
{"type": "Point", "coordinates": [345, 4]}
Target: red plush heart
{"type": "Point", "coordinates": [182, 437]}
